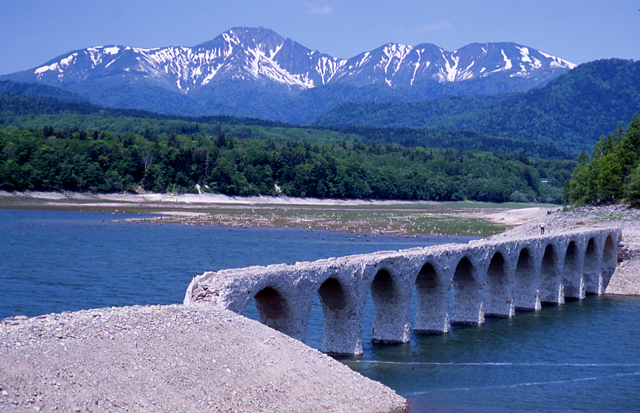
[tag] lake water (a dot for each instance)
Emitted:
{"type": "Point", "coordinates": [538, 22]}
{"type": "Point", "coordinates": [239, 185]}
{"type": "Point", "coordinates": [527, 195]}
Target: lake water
{"type": "Point", "coordinates": [581, 357]}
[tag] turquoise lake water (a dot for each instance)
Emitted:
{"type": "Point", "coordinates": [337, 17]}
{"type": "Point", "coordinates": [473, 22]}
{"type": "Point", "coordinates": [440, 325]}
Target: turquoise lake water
{"type": "Point", "coordinates": [581, 357]}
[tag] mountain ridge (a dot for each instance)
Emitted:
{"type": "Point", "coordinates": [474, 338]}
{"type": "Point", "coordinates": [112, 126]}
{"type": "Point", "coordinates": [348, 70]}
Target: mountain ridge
{"type": "Point", "coordinates": [260, 66]}
{"type": "Point", "coordinates": [571, 111]}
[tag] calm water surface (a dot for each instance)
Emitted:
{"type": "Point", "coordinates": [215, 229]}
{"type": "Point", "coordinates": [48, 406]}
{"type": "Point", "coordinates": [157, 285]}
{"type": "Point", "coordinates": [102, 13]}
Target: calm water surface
{"type": "Point", "coordinates": [581, 357]}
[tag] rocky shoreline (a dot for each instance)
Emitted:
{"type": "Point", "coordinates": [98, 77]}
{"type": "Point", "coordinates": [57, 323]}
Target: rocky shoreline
{"type": "Point", "coordinates": [193, 359]}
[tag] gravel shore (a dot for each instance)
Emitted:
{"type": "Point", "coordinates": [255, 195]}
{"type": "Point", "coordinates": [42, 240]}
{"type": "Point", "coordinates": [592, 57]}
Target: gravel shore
{"type": "Point", "coordinates": [172, 359]}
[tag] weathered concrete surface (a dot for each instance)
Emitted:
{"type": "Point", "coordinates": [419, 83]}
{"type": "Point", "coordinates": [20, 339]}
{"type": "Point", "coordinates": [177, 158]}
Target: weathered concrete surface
{"type": "Point", "coordinates": [626, 278]}
{"type": "Point", "coordinates": [172, 359]}
{"type": "Point", "coordinates": [455, 283]}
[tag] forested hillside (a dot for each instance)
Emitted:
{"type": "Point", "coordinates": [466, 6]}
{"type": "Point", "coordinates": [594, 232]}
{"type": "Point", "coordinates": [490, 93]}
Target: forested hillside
{"type": "Point", "coordinates": [82, 160]}
{"type": "Point", "coordinates": [571, 112]}
{"type": "Point", "coordinates": [612, 174]}
{"type": "Point", "coordinates": [30, 112]}
{"type": "Point", "coordinates": [38, 90]}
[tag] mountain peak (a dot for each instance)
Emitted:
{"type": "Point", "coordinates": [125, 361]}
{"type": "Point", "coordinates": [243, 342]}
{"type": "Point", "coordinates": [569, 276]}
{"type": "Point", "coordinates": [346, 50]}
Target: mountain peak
{"type": "Point", "coordinates": [260, 58]}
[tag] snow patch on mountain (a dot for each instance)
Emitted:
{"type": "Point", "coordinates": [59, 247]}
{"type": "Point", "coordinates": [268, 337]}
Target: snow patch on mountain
{"type": "Point", "coordinates": [259, 54]}
{"type": "Point", "coordinates": [59, 66]}
{"type": "Point", "coordinates": [557, 62]}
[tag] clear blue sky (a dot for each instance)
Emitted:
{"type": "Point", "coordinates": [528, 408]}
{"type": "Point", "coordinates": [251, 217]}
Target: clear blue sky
{"type": "Point", "coordinates": [35, 31]}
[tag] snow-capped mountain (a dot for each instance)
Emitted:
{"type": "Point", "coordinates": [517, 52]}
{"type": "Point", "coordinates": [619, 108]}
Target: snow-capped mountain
{"type": "Point", "coordinates": [263, 61]}
{"type": "Point", "coordinates": [402, 66]}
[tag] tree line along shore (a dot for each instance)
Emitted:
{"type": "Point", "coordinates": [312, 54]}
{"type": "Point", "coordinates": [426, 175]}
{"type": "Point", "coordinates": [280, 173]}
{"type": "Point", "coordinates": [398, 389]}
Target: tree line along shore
{"type": "Point", "coordinates": [49, 159]}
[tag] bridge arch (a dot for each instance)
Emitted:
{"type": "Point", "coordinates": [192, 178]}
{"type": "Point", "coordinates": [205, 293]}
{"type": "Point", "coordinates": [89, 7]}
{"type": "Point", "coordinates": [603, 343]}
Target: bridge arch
{"type": "Point", "coordinates": [609, 258]}
{"type": "Point", "coordinates": [551, 289]}
{"type": "Point", "coordinates": [591, 269]}
{"type": "Point", "coordinates": [526, 281]}
{"type": "Point", "coordinates": [498, 291]}
{"type": "Point", "coordinates": [432, 300]}
{"type": "Point", "coordinates": [390, 316]}
{"type": "Point", "coordinates": [467, 304]}
{"type": "Point", "coordinates": [454, 281]}
{"type": "Point", "coordinates": [275, 311]}
{"type": "Point", "coordinates": [572, 272]}
{"type": "Point", "coordinates": [340, 322]}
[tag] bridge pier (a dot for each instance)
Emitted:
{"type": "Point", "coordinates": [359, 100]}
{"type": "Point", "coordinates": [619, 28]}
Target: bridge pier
{"type": "Point", "coordinates": [551, 288]}
{"type": "Point", "coordinates": [468, 283]}
{"type": "Point", "coordinates": [498, 289]}
{"type": "Point", "coordinates": [432, 299]}
{"type": "Point", "coordinates": [391, 290]}
{"type": "Point", "coordinates": [342, 317]}
{"type": "Point", "coordinates": [592, 271]}
{"type": "Point", "coordinates": [572, 273]}
{"type": "Point", "coordinates": [609, 258]}
{"type": "Point", "coordinates": [526, 296]}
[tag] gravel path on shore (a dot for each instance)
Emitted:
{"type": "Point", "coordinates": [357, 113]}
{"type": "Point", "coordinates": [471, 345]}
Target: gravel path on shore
{"type": "Point", "coordinates": [172, 359]}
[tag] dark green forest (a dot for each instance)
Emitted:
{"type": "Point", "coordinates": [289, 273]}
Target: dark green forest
{"type": "Point", "coordinates": [102, 161]}
{"type": "Point", "coordinates": [612, 174]}
{"type": "Point", "coordinates": [54, 140]}
{"type": "Point", "coordinates": [37, 112]}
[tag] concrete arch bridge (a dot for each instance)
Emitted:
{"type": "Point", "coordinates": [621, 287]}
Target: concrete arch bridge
{"type": "Point", "coordinates": [454, 283]}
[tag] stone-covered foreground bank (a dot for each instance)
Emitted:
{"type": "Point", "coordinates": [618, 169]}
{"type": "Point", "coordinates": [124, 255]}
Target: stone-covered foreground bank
{"type": "Point", "coordinates": [172, 359]}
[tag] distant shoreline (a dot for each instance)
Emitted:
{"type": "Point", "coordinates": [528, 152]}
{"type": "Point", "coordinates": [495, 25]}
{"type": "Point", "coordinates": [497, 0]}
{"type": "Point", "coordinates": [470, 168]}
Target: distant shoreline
{"type": "Point", "coordinates": [377, 216]}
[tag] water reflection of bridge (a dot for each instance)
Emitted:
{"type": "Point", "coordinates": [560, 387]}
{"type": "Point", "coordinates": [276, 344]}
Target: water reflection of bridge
{"type": "Point", "coordinates": [454, 283]}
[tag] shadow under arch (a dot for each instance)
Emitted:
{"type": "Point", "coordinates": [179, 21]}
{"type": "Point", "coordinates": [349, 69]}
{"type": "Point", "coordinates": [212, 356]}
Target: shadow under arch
{"type": "Point", "coordinates": [274, 310]}
{"type": "Point", "coordinates": [591, 269]}
{"type": "Point", "coordinates": [498, 297]}
{"type": "Point", "coordinates": [334, 308]}
{"type": "Point", "coordinates": [390, 324]}
{"type": "Point", "coordinates": [526, 294]}
{"type": "Point", "coordinates": [432, 302]}
{"type": "Point", "coordinates": [572, 277]}
{"type": "Point", "coordinates": [609, 260]}
{"type": "Point", "coordinates": [467, 305]}
{"type": "Point", "coordinates": [551, 291]}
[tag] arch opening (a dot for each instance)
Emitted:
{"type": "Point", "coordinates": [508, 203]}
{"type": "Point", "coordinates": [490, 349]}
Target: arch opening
{"type": "Point", "coordinates": [382, 287]}
{"type": "Point", "coordinates": [526, 294]}
{"type": "Point", "coordinates": [432, 302]}
{"type": "Point", "coordinates": [464, 273]}
{"type": "Point", "coordinates": [551, 292]}
{"type": "Point", "coordinates": [390, 312]}
{"type": "Point", "coordinates": [498, 296]}
{"type": "Point", "coordinates": [572, 274]}
{"type": "Point", "coordinates": [273, 310]}
{"type": "Point", "coordinates": [591, 269]}
{"type": "Point", "coordinates": [331, 295]}
{"type": "Point", "coordinates": [609, 260]}
{"type": "Point", "coordinates": [466, 306]}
